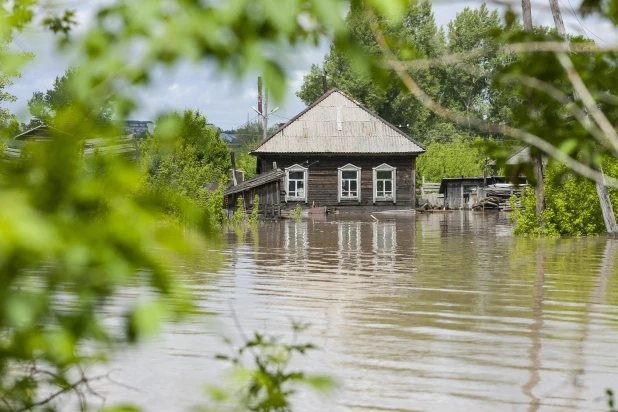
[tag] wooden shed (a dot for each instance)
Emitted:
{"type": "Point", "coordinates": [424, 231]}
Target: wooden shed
{"type": "Point", "coordinates": [267, 186]}
{"type": "Point", "coordinates": [467, 192]}
{"type": "Point", "coordinates": [338, 154]}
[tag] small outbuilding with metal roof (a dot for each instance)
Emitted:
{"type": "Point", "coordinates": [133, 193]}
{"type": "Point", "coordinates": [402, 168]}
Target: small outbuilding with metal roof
{"type": "Point", "coordinates": [266, 186]}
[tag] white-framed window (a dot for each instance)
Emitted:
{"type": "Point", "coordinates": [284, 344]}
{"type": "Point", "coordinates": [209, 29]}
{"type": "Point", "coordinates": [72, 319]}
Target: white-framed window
{"type": "Point", "coordinates": [384, 183]}
{"type": "Point", "coordinates": [296, 178]}
{"type": "Point", "coordinates": [349, 182]}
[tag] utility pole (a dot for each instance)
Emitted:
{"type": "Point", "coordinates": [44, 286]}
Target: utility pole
{"type": "Point", "coordinates": [604, 201]}
{"type": "Point", "coordinates": [537, 161]}
{"type": "Point", "coordinates": [259, 106]}
{"type": "Point", "coordinates": [265, 113]}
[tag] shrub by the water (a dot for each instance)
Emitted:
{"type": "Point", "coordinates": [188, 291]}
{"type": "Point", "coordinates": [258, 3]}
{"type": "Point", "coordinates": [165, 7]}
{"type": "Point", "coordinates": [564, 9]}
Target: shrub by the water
{"type": "Point", "coordinates": [297, 212]}
{"type": "Point", "coordinates": [572, 205]}
{"type": "Point", "coordinates": [254, 213]}
{"type": "Point", "coordinates": [239, 215]}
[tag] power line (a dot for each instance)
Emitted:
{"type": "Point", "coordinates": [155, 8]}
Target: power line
{"type": "Point", "coordinates": [276, 115]}
{"type": "Point", "coordinates": [571, 10]}
{"type": "Point", "coordinates": [244, 124]}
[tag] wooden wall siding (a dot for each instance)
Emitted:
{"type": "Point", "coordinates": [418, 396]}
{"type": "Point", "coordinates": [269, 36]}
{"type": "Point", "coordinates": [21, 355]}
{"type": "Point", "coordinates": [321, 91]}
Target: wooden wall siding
{"type": "Point", "coordinates": [337, 124]}
{"type": "Point", "coordinates": [453, 198]}
{"type": "Point", "coordinates": [454, 194]}
{"type": "Point", "coordinates": [323, 185]}
{"type": "Point", "coordinates": [269, 194]}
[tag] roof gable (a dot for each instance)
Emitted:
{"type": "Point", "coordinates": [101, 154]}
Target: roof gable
{"type": "Point", "coordinates": [336, 123]}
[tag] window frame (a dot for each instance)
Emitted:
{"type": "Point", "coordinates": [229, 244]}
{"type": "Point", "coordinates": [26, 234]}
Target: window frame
{"type": "Point", "coordinates": [348, 168]}
{"type": "Point", "coordinates": [385, 168]}
{"type": "Point", "coordinates": [296, 168]}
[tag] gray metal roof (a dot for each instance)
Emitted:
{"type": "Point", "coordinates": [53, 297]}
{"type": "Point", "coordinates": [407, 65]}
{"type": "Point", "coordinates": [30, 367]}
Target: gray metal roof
{"type": "Point", "coordinates": [491, 180]}
{"type": "Point", "coordinates": [336, 123]}
{"type": "Point", "coordinates": [257, 181]}
{"type": "Point", "coordinates": [42, 132]}
{"type": "Point", "coordinates": [227, 137]}
{"type": "Point", "coordinates": [522, 155]}
{"type": "Point", "coordinates": [118, 145]}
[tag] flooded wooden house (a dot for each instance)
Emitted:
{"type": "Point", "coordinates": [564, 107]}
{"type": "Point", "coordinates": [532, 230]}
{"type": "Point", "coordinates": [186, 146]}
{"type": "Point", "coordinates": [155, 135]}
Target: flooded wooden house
{"type": "Point", "coordinates": [338, 154]}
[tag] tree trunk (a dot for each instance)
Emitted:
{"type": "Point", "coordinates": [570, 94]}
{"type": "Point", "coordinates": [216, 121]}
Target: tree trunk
{"type": "Point", "coordinates": [527, 12]}
{"type": "Point", "coordinates": [606, 205]}
{"type": "Point", "coordinates": [539, 190]}
{"type": "Point", "coordinates": [557, 15]}
{"type": "Point", "coordinates": [604, 201]}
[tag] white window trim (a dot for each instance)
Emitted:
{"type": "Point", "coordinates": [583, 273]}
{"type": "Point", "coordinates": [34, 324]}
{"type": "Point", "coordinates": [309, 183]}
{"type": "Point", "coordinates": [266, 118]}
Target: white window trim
{"type": "Point", "coordinates": [349, 168]}
{"type": "Point", "coordinates": [296, 168]}
{"type": "Point", "coordinates": [381, 168]}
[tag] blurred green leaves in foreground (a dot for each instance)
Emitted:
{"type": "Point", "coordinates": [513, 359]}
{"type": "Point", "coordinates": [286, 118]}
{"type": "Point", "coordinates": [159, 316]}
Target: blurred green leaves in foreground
{"type": "Point", "coordinates": [76, 227]}
{"type": "Point", "coordinates": [262, 378]}
{"type": "Point", "coordinates": [78, 221]}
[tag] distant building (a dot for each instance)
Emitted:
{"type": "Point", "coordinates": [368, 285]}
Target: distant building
{"type": "Point", "coordinates": [125, 146]}
{"type": "Point", "coordinates": [138, 128]}
{"type": "Point", "coordinates": [339, 154]}
{"type": "Point", "coordinates": [469, 192]}
{"type": "Point", "coordinates": [228, 138]}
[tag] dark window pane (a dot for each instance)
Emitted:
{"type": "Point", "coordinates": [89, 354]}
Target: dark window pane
{"type": "Point", "coordinates": [291, 187]}
{"type": "Point", "coordinates": [300, 185]}
{"type": "Point", "coordinates": [353, 185]}
{"type": "Point", "coordinates": [297, 175]}
{"type": "Point", "coordinates": [348, 175]}
{"type": "Point", "coordinates": [345, 185]}
{"type": "Point", "coordinates": [469, 189]}
{"type": "Point", "coordinates": [388, 185]}
{"type": "Point", "coordinates": [380, 185]}
{"type": "Point", "coordinates": [384, 174]}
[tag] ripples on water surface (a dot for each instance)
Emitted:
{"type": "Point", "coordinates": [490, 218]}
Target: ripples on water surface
{"type": "Point", "coordinates": [435, 312]}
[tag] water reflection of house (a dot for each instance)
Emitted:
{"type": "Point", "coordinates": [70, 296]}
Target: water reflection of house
{"type": "Point", "coordinates": [349, 252]}
{"type": "Point", "coordinates": [296, 239]}
{"type": "Point", "coordinates": [385, 245]}
{"type": "Point", "coordinates": [338, 154]}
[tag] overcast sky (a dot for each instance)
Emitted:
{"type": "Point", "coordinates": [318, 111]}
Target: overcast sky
{"type": "Point", "coordinates": [226, 101]}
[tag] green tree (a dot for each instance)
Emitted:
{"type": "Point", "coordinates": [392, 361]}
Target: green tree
{"type": "Point", "coordinates": [9, 124]}
{"type": "Point", "coordinates": [183, 155]}
{"type": "Point", "coordinates": [415, 33]}
{"type": "Point", "coordinates": [464, 86]}
{"type": "Point", "coordinates": [572, 205]}
{"type": "Point", "coordinates": [45, 106]}
{"type": "Point", "coordinates": [459, 157]}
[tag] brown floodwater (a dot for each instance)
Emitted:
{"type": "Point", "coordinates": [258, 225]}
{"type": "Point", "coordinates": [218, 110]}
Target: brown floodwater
{"type": "Point", "coordinates": [436, 312]}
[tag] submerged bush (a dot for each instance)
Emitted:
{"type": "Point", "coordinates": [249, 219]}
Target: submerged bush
{"type": "Point", "coordinates": [297, 212]}
{"type": "Point", "coordinates": [239, 215]}
{"type": "Point", "coordinates": [256, 209]}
